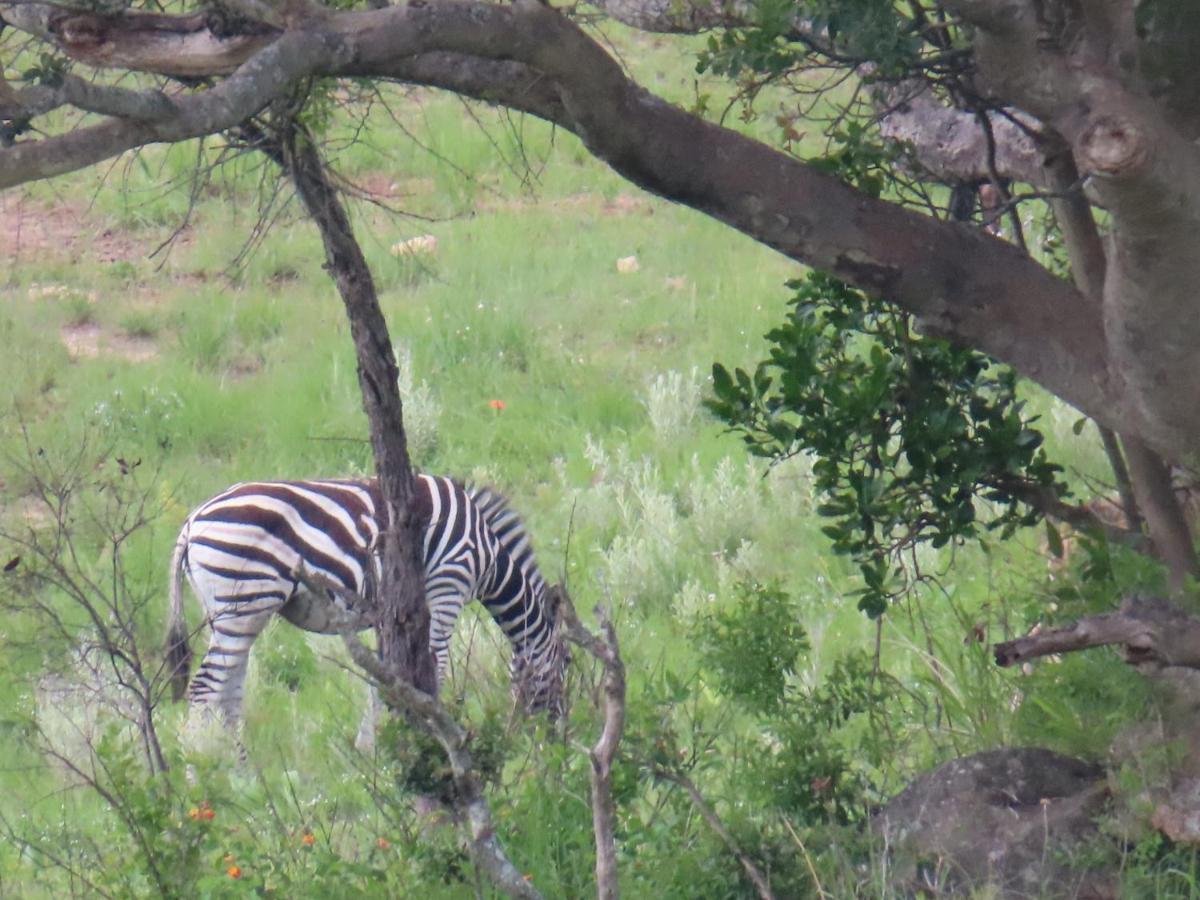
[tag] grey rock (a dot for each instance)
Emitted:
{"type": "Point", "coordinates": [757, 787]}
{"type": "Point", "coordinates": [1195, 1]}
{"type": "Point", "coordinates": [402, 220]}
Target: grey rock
{"type": "Point", "coordinates": [1002, 823]}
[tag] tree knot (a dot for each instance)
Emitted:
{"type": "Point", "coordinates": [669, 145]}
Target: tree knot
{"type": "Point", "coordinates": [1113, 146]}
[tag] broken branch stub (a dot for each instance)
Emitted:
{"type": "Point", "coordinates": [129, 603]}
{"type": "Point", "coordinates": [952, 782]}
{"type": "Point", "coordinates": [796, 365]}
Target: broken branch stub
{"type": "Point", "coordinates": [1152, 632]}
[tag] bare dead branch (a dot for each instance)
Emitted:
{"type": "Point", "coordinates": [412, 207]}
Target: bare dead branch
{"type": "Point", "coordinates": [1153, 633]}
{"type": "Point", "coordinates": [181, 46]}
{"type": "Point", "coordinates": [602, 755]}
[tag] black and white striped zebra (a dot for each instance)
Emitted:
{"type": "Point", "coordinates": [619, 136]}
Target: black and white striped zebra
{"type": "Point", "coordinates": [244, 552]}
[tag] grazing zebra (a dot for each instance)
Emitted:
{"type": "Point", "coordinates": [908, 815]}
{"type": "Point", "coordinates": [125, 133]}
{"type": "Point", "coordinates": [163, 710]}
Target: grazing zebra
{"type": "Point", "coordinates": [245, 549]}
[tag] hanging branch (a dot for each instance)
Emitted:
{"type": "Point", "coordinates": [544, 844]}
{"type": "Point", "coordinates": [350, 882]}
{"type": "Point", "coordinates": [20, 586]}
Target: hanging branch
{"type": "Point", "coordinates": [427, 712]}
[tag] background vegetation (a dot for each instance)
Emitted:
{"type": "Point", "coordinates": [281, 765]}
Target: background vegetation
{"type": "Point", "coordinates": [531, 361]}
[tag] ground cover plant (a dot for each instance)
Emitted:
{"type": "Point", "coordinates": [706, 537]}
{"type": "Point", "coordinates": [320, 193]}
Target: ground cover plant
{"type": "Point", "coordinates": [536, 357]}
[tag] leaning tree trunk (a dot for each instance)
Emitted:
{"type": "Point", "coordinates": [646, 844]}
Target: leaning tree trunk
{"type": "Point", "coordinates": [402, 617]}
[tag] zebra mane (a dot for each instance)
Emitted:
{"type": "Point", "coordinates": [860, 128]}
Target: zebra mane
{"type": "Point", "coordinates": [510, 531]}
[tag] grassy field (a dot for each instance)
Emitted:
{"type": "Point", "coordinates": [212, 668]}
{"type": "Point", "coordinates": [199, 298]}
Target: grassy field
{"type": "Point", "coordinates": [224, 356]}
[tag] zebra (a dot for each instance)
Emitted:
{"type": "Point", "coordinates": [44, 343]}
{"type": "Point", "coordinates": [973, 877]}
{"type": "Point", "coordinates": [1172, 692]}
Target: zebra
{"type": "Point", "coordinates": [253, 550]}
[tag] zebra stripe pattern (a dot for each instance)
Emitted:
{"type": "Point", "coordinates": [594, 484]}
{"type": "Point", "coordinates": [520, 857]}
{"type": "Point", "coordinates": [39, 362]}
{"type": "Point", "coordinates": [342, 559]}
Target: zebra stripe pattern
{"type": "Point", "coordinates": [244, 552]}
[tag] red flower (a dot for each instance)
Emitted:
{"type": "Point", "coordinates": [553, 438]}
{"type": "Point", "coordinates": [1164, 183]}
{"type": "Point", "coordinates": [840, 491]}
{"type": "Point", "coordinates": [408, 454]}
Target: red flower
{"type": "Point", "coordinates": [308, 840]}
{"type": "Point", "coordinates": [497, 405]}
{"type": "Point", "coordinates": [382, 843]}
{"type": "Point", "coordinates": [234, 871]}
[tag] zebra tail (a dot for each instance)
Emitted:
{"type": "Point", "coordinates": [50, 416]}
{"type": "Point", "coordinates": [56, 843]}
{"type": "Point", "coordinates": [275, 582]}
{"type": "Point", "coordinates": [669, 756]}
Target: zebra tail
{"type": "Point", "coordinates": [178, 651]}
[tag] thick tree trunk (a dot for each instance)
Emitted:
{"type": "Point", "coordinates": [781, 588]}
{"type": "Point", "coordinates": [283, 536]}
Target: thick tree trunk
{"type": "Point", "coordinates": [1147, 478]}
{"type": "Point", "coordinates": [402, 616]}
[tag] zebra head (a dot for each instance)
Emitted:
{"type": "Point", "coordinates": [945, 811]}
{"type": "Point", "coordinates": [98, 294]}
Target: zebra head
{"type": "Point", "coordinates": [539, 672]}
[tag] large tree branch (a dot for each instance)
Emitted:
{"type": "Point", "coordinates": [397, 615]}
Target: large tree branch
{"type": "Point", "coordinates": [950, 144]}
{"type": "Point", "coordinates": [89, 97]}
{"type": "Point", "coordinates": [265, 76]}
{"type": "Point", "coordinates": [961, 283]}
{"type": "Point", "coordinates": [182, 46]}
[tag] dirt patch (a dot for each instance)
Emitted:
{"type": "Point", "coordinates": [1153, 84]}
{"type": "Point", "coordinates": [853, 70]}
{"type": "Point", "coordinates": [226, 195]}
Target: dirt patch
{"type": "Point", "coordinates": [628, 205]}
{"type": "Point", "coordinates": [31, 231]}
{"type": "Point", "coordinates": [384, 186]}
{"type": "Point", "coordinates": [82, 340]}
{"type": "Point", "coordinates": [618, 206]}
{"type": "Point", "coordinates": [133, 347]}
{"type": "Point", "coordinates": [87, 340]}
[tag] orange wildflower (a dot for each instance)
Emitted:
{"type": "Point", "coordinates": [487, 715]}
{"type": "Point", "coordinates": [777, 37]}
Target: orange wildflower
{"type": "Point", "coordinates": [498, 405]}
{"type": "Point", "coordinates": [194, 813]}
{"type": "Point", "coordinates": [382, 843]}
{"type": "Point", "coordinates": [308, 840]}
{"type": "Point", "coordinates": [234, 872]}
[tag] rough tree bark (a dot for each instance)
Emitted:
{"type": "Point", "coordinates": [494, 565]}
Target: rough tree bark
{"type": "Point", "coordinates": [1069, 69]}
{"type": "Point", "coordinates": [401, 615]}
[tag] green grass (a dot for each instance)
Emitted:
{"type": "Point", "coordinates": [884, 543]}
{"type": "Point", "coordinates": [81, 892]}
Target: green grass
{"type": "Point", "coordinates": [600, 441]}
